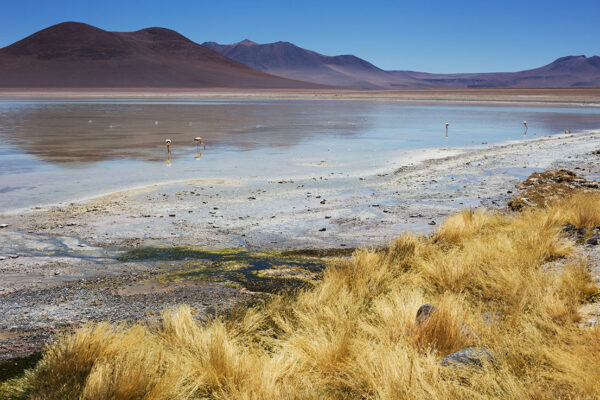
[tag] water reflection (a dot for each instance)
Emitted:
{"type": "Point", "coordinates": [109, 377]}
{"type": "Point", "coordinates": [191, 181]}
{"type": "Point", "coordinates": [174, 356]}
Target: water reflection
{"type": "Point", "coordinates": [87, 132]}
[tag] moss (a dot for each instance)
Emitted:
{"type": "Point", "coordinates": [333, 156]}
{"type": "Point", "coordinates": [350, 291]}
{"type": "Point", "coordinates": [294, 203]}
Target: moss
{"type": "Point", "coordinates": [12, 376]}
{"type": "Point", "coordinates": [160, 253]}
{"type": "Point", "coordinates": [15, 367]}
{"type": "Point", "coordinates": [238, 266]}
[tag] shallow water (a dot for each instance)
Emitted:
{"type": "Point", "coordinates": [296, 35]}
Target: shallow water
{"type": "Point", "coordinates": [55, 151]}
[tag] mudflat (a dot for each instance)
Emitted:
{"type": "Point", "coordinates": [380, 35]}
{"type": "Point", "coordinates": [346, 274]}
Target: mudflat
{"type": "Point", "coordinates": [127, 255]}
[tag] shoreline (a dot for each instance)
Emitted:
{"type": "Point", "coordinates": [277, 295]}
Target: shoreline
{"type": "Point", "coordinates": [420, 156]}
{"type": "Point", "coordinates": [61, 264]}
{"type": "Point", "coordinates": [581, 97]}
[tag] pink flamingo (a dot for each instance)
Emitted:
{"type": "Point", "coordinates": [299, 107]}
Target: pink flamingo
{"type": "Point", "coordinates": [525, 123]}
{"type": "Point", "coordinates": [199, 142]}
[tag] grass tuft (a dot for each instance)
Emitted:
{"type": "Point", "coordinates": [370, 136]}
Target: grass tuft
{"type": "Point", "coordinates": [355, 335]}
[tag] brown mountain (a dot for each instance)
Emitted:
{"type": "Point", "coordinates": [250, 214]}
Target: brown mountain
{"type": "Point", "coordinates": [77, 55]}
{"type": "Point", "coordinates": [290, 61]}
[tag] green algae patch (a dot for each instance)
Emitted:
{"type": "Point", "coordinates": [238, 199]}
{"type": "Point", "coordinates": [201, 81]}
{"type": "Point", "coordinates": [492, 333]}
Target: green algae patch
{"type": "Point", "coordinates": [12, 373]}
{"type": "Point", "coordinates": [268, 271]}
{"type": "Point", "coordinates": [175, 253]}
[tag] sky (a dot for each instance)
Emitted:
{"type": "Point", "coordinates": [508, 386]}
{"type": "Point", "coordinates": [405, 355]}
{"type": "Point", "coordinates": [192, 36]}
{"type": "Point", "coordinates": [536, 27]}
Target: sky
{"type": "Point", "coordinates": [429, 36]}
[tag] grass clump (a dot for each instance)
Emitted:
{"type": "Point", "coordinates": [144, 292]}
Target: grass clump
{"type": "Point", "coordinates": [355, 336]}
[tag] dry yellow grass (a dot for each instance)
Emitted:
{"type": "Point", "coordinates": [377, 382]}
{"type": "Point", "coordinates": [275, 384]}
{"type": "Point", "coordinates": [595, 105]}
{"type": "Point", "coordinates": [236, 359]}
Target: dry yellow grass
{"type": "Point", "coordinates": [355, 336]}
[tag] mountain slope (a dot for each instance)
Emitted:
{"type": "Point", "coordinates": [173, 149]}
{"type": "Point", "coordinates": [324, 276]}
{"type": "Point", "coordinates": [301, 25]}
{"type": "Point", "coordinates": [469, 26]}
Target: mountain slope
{"type": "Point", "coordinates": [571, 71]}
{"type": "Point", "coordinates": [290, 61]}
{"type": "Point", "coordinates": [73, 54]}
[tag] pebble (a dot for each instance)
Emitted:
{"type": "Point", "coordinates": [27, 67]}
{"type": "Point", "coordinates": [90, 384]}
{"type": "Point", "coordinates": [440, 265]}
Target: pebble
{"type": "Point", "coordinates": [171, 215]}
{"type": "Point", "coordinates": [424, 312]}
{"type": "Point", "coordinates": [322, 230]}
{"type": "Point", "coordinates": [2, 226]}
{"type": "Point", "coordinates": [593, 241]}
{"type": "Point", "coordinates": [431, 223]}
{"type": "Point", "coordinates": [470, 356]}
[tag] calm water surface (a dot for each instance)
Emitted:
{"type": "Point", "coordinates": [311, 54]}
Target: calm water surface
{"type": "Point", "coordinates": [55, 151]}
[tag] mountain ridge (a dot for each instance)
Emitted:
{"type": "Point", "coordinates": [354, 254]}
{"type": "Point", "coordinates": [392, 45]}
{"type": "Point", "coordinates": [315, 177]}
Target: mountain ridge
{"type": "Point", "coordinates": [78, 55]}
{"type": "Point", "coordinates": [74, 54]}
{"type": "Point", "coordinates": [356, 73]}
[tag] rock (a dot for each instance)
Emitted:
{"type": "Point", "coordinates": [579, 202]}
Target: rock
{"type": "Point", "coordinates": [251, 198]}
{"type": "Point", "coordinates": [424, 312]}
{"type": "Point", "coordinates": [2, 226]}
{"type": "Point", "coordinates": [431, 223]}
{"type": "Point", "coordinates": [593, 241]}
{"type": "Point", "coordinates": [491, 318]}
{"type": "Point", "coordinates": [322, 201]}
{"type": "Point", "coordinates": [2, 258]}
{"type": "Point", "coordinates": [322, 230]}
{"type": "Point", "coordinates": [471, 356]}
{"type": "Point", "coordinates": [171, 215]}
{"type": "Point", "coordinates": [569, 228]}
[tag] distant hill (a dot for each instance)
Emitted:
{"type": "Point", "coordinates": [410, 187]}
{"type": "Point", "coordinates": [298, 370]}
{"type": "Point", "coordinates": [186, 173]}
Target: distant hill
{"type": "Point", "coordinates": [571, 71]}
{"type": "Point", "coordinates": [288, 60]}
{"type": "Point", "coordinates": [76, 55]}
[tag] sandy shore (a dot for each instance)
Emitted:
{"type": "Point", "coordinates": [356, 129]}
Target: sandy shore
{"type": "Point", "coordinates": [58, 265]}
{"type": "Point", "coordinates": [573, 96]}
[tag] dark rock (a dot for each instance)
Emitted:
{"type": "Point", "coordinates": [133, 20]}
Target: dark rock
{"type": "Point", "coordinates": [581, 232]}
{"type": "Point", "coordinates": [471, 356]}
{"type": "Point", "coordinates": [431, 223]}
{"type": "Point", "coordinates": [593, 241]}
{"type": "Point", "coordinates": [569, 228]}
{"type": "Point", "coordinates": [322, 230]}
{"type": "Point", "coordinates": [424, 312]}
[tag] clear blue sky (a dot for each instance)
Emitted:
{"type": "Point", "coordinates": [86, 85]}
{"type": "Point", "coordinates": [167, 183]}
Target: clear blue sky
{"type": "Point", "coordinates": [432, 36]}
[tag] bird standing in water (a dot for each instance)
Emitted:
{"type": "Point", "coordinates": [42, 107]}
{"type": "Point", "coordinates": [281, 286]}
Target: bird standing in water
{"type": "Point", "coordinates": [168, 142]}
{"type": "Point", "coordinates": [525, 123]}
{"type": "Point", "coordinates": [199, 142]}
{"type": "Point", "coordinates": [447, 124]}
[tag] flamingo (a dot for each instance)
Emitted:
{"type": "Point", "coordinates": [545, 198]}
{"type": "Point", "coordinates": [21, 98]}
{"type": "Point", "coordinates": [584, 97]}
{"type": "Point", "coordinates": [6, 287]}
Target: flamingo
{"type": "Point", "coordinates": [447, 124]}
{"type": "Point", "coordinates": [168, 142]}
{"type": "Point", "coordinates": [199, 142]}
{"type": "Point", "coordinates": [525, 123]}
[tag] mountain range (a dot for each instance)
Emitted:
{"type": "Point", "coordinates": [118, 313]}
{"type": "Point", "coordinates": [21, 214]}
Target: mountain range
{"type": "Point", "coordinates": [77, 55]}
{"type": "Point", "coordinates": [288, 60]}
